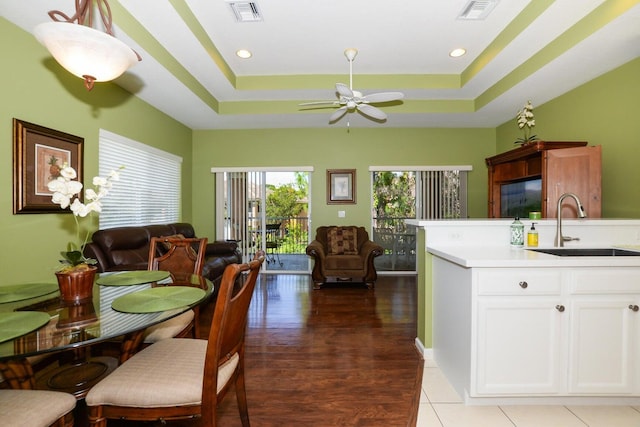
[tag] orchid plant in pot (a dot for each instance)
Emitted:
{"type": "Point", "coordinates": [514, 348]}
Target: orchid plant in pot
{"type": "Point", "coordinates": [526, 122]}
{"type": "Point", "coordinates": [76, 275]}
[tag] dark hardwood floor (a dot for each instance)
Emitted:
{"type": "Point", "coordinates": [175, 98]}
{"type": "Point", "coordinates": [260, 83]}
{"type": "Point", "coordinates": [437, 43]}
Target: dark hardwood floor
{"type": "Point", "coordinates": [339, 356]}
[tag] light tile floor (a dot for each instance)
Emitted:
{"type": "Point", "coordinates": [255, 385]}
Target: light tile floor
{"type": "Point", "coordinates": [440, 406]}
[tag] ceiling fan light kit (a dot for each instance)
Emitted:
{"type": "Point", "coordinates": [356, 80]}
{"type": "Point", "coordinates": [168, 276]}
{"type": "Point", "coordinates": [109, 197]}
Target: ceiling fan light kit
{"type": "Point", "coordinates": [350, 100]}
{"type": "Point", "coordinates": [85, 52]}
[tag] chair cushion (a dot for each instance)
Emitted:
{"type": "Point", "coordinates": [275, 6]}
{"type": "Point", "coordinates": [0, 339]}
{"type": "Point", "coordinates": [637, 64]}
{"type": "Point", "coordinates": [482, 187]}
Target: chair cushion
{"type": "Point", "coordinates": [342, 240]}
{"type": "Point", "coordinates": [169, 328]}
{"type": "Point", "coordinates": [167, 373]}
{"type": "Point", "coordinates": [344, 262]}
{"type": "Point", "coordinates": [33, 408]}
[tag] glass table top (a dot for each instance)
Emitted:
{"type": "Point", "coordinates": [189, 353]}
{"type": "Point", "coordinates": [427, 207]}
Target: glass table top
{"type": "Point", "coordinates": [75, 325]}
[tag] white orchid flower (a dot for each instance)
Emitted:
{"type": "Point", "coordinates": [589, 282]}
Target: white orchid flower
{"type": "Point", "coordinates": [68, 172]}
{"type": "Point", "coordinates": [99, 181]}
{"type": "Point", "coordinates": [57, 185]}
{"type": "Point", "coordinates": [74, 187]}
{"type": "Point", "coordinates": [90, 194]}
{"type": "Point", "coordinates": [79, 209]}
{"type": "Point", "coordinates": [61, 199]}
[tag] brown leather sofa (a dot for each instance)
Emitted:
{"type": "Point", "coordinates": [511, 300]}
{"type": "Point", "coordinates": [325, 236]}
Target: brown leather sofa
{"type": "Point", "coordinates": [343, 254]}
{"type": "Point", "coordinates": [127, 248]}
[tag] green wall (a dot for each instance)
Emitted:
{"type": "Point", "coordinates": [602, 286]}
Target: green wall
{"type": "Point", "coordinates": [36, 89]}
{"type": "Point", "coordinates": [604, 111]}
{"type": "Point", "coordinates": [337, 148]}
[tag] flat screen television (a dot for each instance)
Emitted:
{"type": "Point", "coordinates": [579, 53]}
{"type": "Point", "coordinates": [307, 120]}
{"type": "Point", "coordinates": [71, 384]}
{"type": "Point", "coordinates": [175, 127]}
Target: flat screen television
{"type": "Point", "coordinates": [518, 198]}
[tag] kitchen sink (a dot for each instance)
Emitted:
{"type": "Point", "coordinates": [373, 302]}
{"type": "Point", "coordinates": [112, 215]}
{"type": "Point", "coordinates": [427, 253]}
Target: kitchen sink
{"type": "Point", "coordinates": [587, 252]}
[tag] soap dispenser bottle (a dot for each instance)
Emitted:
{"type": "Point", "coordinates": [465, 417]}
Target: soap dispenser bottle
{"type": "Point", "coordinates": [517, 233]}
{"type": "Point", "coordinates": [532, 236]}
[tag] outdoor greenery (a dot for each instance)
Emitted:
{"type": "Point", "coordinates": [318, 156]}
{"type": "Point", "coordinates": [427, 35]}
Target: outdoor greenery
{"type": "Point", "coordinates": [285, 204]}
{"type": "Point", "coordinates": [394, 199]}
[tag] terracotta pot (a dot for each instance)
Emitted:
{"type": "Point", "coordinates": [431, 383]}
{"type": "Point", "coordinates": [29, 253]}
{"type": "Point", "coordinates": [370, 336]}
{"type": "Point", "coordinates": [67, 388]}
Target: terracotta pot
{"type": "Point", "coordinates": [76, 285]}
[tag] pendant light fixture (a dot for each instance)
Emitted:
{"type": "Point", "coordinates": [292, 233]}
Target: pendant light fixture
{"type": "Point", "coordinates": [85, 52]}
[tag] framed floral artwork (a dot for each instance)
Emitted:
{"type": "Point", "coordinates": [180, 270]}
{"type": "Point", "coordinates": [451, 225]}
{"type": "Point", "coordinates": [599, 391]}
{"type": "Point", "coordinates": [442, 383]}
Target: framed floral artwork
{"type": "Point", "coordinates": [39, 154]}
{"type": "Point", "coordinates": [341, 186]}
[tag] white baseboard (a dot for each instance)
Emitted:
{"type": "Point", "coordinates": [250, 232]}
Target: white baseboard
{"type": "Point", "coordinates": [427, 353]}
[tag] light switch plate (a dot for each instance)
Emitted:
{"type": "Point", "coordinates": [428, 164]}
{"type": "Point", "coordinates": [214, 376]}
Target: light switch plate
{"type": "Point", "coordinates": [342, 214]}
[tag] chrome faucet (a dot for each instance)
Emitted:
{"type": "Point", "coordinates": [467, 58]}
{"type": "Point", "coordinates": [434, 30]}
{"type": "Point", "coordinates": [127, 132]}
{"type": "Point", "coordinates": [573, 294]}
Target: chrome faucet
{"type": "Point", "coordinates": [560, 239]}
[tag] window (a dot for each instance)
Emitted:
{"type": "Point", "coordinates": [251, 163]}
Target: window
{"type": "Point", "coordinates": [148, 191]}
{"type": "Point", "coordinates": [402, 192]}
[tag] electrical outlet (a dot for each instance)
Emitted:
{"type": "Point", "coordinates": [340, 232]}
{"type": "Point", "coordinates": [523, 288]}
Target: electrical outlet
{"type": "Point", "coordinates": [342, 214]}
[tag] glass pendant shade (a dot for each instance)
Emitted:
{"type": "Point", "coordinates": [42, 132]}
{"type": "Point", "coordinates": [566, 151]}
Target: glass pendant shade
{"type": "Point", "coordinates": [85, 52]}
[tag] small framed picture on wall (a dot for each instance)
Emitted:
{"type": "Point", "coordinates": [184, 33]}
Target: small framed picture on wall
{"type": "Point", "coordinates": [39, 154]}
{"type": "Point", "coordinates": [341, 186]}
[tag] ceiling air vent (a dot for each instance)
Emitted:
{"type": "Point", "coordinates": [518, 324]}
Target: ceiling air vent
{"type": "Point", "coordinates": [246, 11]}
{"type": "Point", "coordinates": [477, 9]}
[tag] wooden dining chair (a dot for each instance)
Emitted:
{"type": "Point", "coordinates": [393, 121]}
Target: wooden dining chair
{"type": "Point", "coordinates": [36, 408]}
{"type": "Point", "coordinates": [166, 380]}
{"type": "Point", "coordinates": [176, 255]}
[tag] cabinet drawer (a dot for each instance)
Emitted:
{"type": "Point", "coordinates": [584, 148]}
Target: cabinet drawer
{"type": "Point", "coordinates": [605, 280]}
{"type": "Point", "coordinates": [519, 281]}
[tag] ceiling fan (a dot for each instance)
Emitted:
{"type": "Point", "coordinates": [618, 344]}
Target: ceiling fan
{"type": "Point", "coordinates": [350, 100]}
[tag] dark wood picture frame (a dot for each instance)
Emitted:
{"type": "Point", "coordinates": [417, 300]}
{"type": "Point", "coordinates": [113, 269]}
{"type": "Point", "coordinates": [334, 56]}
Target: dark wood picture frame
{"type": "Point", "coordinates": [38, 155]}
{"type": "Point", "coordinates": [341, 186]}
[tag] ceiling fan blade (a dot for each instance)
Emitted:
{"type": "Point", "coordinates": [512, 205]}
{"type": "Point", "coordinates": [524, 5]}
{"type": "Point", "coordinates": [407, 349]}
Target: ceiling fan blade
{"type": "Point", "coordinates": [383, 97]}
{"type": "Point", "coordinates": [320, 103]}
{"type": "Point", "coordinates": [343, 90]}
{"type": "Point", "coordinates": [337, 115]}
{"type": "Point", "coordinates": [371, 111]}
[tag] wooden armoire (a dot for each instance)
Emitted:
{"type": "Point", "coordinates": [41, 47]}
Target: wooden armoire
{"type": "Point", "coordinates": [562, 166]}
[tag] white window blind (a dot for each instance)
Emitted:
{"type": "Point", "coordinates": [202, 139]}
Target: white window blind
{"type": "Point", "coordinates": [148, 191]}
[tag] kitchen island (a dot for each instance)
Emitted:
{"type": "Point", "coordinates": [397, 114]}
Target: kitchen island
{"type": "Point", "coordinates": [517, 326]}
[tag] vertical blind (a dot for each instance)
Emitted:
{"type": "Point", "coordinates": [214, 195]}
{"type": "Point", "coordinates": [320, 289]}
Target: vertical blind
{"type": "Point", "coordinates": [243, 201]}
{"type": "Point", "coordinates": [148, 191]}
{"type": "Point", "coordinates": [443, 194]}
{"type": "Point", "coordinates": [441, 191]}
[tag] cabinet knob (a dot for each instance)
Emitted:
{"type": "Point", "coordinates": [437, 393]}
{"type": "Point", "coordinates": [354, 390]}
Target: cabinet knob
{"type": "Point", "coordinates": [560, 308]}
{"type": "Point", "coordinates": [634, 307]}
{"type": "Point", "coordinates": [523, 284]}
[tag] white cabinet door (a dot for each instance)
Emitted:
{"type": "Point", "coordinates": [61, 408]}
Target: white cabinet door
{"type": "Point", "coordinates": [602, 353]}
{"type": "Point", "coordinates": [519, 346]}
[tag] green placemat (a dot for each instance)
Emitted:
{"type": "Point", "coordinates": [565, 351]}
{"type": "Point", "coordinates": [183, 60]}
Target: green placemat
{"type": "Point", "coordinates": [12, 293]}
{"type": "Point", "coordinates": [157, 299]}
{"type": "Point", "coordinates": [127, 278]}
{"type": "Point", "coordinates": [18, 323]}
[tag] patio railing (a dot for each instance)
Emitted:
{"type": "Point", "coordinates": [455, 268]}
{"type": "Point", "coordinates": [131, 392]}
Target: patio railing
{"type": "Point", "coordinates": [398, 241]}
{"type": "Point", "coordinates": [291, 236]}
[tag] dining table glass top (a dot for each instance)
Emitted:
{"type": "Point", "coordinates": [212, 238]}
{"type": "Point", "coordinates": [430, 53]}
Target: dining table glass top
{"type": "Point", "coordinates": [34, 320]}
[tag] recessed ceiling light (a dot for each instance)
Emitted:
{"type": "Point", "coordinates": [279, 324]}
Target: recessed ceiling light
{"type": "Point", "coordinates": [457, 52]}
{"type": "Point", "coordinates": [243, 53]}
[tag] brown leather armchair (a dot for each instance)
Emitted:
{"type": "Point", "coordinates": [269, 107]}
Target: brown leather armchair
{"type": "Point", "coordinates": [343, 253]}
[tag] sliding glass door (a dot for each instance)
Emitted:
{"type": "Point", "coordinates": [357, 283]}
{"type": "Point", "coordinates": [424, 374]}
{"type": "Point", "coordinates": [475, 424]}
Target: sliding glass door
{"type": "Point", "coordinates": [425, 193]}
{"type": "Point", "coordinates": [267, 210]}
